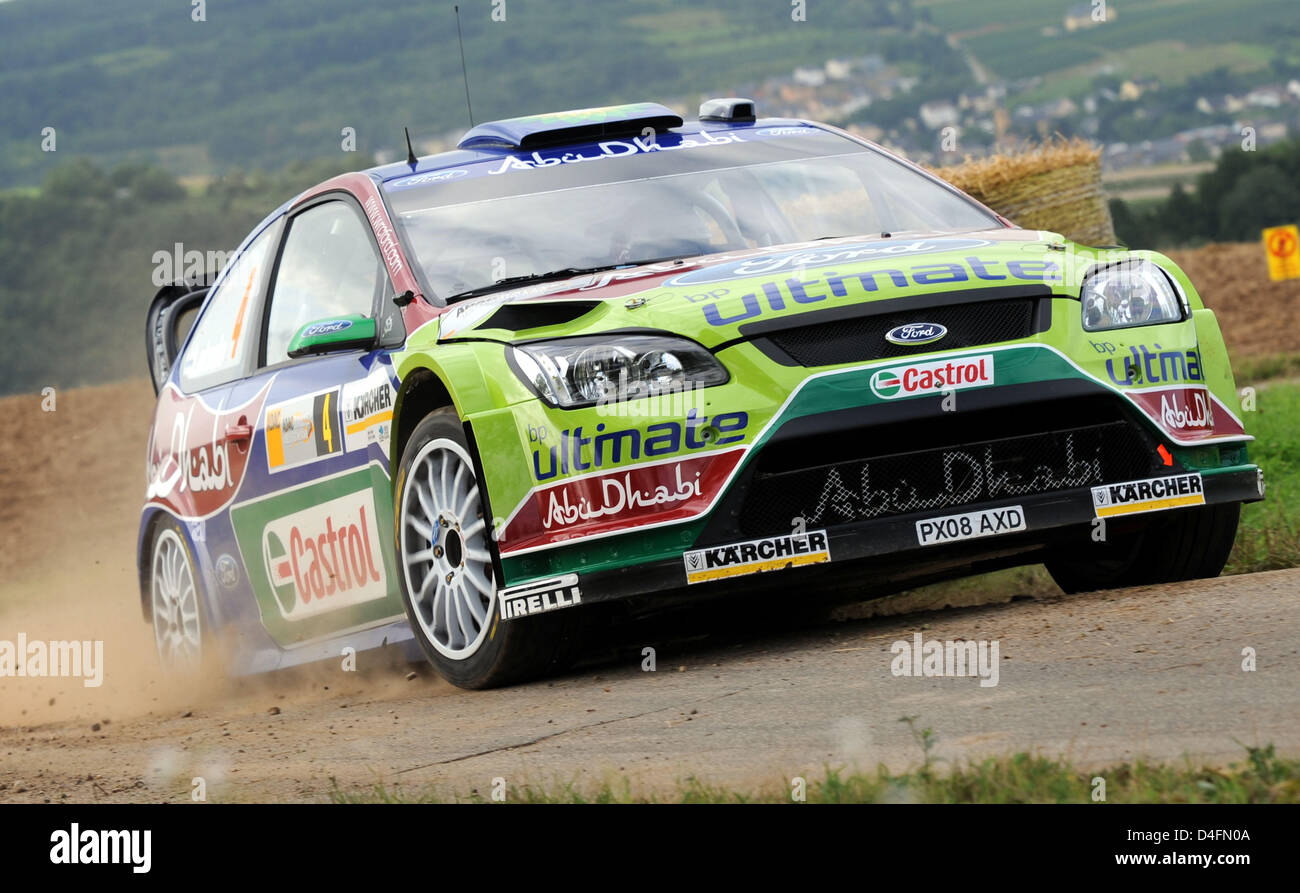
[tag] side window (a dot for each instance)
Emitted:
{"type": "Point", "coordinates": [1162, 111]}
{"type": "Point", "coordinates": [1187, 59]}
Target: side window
{"type": "Point", "coordinates": [328, 268]}
{"type": "Point", "coordinates": [221, 340]}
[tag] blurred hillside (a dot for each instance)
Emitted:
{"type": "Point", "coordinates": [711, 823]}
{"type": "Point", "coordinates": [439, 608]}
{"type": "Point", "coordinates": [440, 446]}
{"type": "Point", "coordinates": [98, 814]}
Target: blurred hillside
{"type": "Point", "coordinates": [77, 260]}
{"type": "Point", "coordinates": [160, 121]}
{"type": "Point", "coordinates": [77, 256]}
{"type": "Point", "coordinates": [260, 84]}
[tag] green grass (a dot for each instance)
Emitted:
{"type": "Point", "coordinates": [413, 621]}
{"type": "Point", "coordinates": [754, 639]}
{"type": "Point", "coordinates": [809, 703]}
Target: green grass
{"type": "Point", "coordinates": [1262, 777]}
{"type": "Point", "coordinates": [962, 15]}
{"type": "Point", "coordinates": [1260, 369]}
{"type": "Point", "coordinates": [1269, 536]}
{"type": "Point", "coordinates": [129, 61]}
{"type": "Point", "coordinates": [1015, 47]}
{"type": "Point", "coordinates": [1171, 61]}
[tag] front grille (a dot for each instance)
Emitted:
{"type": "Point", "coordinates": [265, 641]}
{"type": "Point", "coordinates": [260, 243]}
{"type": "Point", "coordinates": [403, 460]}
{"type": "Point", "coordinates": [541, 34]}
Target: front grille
{"type": "Point", "coordinates": [862, 339]}
{"type": "Point", "coordinates": [938, 478]}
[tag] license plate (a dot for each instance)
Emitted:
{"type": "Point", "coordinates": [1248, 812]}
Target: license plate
{"type": "Point", "coordinates": [971, 525]}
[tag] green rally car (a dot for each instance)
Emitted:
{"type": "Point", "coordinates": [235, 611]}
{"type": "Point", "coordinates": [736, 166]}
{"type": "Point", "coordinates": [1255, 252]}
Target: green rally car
{"type": "Point", "coordinates": [609, 356]}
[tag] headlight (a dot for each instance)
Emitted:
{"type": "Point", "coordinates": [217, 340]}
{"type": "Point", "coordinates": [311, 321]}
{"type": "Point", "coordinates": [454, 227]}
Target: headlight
{"type": "Point", "coordinates": [1132, 293]}
{"type": "Point", "coordinates": [582, 371]}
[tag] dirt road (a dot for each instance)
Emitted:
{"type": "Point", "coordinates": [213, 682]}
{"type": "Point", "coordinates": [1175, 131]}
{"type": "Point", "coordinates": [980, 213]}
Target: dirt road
{"type": "Point", "coordinates": [1100, 678]}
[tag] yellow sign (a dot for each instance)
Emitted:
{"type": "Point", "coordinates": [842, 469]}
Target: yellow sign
{"type": "Point", "coordinates": [1283, 246]}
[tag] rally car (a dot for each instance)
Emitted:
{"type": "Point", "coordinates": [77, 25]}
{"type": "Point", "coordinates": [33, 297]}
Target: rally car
{"type": "Point", "coordinates": [609, 357]}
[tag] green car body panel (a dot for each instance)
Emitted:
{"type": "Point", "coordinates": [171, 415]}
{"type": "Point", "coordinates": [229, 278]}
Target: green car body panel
{"type": "Point", "coordinates": [507, 416]}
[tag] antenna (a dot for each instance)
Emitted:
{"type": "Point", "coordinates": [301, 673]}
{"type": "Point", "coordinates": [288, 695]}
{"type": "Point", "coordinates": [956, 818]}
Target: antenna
{"type": "Point", "coordinates": [410, 153]}
{"type": "Point", "coordinates": [463, 72]}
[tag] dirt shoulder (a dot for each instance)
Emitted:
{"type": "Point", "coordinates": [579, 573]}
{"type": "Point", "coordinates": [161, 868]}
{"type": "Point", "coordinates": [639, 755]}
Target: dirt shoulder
{"type": "Point", "coordinates": [1153, 673]}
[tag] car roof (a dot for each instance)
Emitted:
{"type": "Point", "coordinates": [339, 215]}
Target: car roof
{"type": "Point", "coordinates": [520, 137]}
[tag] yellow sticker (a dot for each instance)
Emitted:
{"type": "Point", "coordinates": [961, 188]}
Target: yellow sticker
{"type": "Point", "coordinates": [756, 556]}
{"type": "Point", "coordinates": [1282, 244]}
{"type": "Point", "coordinates": [1151, 495]}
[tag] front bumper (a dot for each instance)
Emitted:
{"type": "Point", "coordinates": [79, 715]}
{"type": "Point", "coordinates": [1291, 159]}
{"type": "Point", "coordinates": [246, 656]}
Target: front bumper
{"type": "Point", "coordinates": [885, 552]}
{"type": "Point", "coordinates": [836, 450]}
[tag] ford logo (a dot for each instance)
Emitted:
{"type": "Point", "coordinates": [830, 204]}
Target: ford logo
{"type": "Point", "coordinates": [327, 328]}
{"type": "Point", "coordinates": [427, 177]}
{"type": "Point", "coordinates": [916, 333]}
{"type": "Point", "coordinates": [435, 177]}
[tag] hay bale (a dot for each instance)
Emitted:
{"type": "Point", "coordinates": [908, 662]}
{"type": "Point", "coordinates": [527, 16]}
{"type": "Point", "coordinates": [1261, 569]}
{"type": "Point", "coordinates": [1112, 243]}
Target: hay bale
{"type": "Point", "coordinates": [1053, 186]}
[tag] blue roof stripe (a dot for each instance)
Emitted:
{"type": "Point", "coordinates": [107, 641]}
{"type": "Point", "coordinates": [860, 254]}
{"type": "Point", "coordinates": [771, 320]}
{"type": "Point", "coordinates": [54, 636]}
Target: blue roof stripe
{"type": "Point", "coordinates": [458, 158]}
{"type": "Point", "coordinates": [488, 164]}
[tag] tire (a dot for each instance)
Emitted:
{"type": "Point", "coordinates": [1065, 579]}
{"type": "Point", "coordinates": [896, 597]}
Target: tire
{"type": "Point", "coordinates": [1187, 544]}
{"type": "Point", "coordinates": [449, 586]}
{"type": "Point", "coordinates": [176, 604]}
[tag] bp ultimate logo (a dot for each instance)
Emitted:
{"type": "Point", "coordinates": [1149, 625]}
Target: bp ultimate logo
{"type": "Point", "coordinates": [933, 377]}
{"type": "Point", "coordinates": [812, 255]}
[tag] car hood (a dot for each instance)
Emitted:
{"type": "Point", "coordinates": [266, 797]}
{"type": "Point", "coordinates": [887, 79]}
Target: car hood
{"type": "Point", "coordinates": [711, 298]}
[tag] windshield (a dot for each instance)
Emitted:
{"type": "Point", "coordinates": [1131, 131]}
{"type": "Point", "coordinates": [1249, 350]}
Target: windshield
{"type": "Point", "coordinates": [529, 215]}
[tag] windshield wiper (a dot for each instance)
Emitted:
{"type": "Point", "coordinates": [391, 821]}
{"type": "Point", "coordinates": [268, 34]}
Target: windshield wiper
{"type": "Point", "coordinates": [561, 273]}
{"type": "Point", "coordinates": [883, 234]}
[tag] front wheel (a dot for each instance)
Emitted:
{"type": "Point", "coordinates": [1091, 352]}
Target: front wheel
{"type": "Point", "coordinates": [1187, 544]}
{"type": "Point", "coordinates": [449, 585]}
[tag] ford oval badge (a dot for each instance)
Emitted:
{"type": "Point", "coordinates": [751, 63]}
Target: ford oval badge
{"type": "Point", "coordinates": [327, 328]}
{"type": "Point", "coordinates": [916, 333]}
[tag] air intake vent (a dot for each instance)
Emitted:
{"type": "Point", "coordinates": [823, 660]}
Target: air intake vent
{"type": "Point", "coordinates": [581, 125]}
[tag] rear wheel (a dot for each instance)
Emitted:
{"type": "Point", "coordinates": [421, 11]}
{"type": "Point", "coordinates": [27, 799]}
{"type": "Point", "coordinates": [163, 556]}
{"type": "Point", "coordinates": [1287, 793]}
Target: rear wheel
{"type": "Point", "coordinates": [449, 586]}
{"type": "Point", "coordinates": [178, 627]}
{"type": "Point", "coordinates": [1183, 545]}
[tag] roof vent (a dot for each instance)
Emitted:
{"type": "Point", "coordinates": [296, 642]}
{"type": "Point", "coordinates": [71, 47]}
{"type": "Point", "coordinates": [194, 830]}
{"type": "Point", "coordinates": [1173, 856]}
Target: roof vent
{"type": "Point", "coordinates": [579, 126]}
{"type": "Point", "coordinates": [731, 110]}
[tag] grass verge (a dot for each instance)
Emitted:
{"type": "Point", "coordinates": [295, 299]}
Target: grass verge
{"type": "Point", "coordinates": [1260, 369]}
{"type": "Point", "coordinates": [1263, 777]}
{"type": "Point", "coordinates": [1269, 536]}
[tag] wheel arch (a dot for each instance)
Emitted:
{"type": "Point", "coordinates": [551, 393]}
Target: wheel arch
{"type": "Point", "coordinates": [422, 392]}
{"type": "Point", "coordinates": [144, 559]}
{"type": "Point", "coordinates": [149, 525]}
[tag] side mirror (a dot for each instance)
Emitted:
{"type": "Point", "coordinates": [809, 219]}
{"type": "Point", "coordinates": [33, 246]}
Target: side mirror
{"type": "Point", "coordinates": [171, 313]}
{"type": "Point", "coordinates": [351, 332]}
